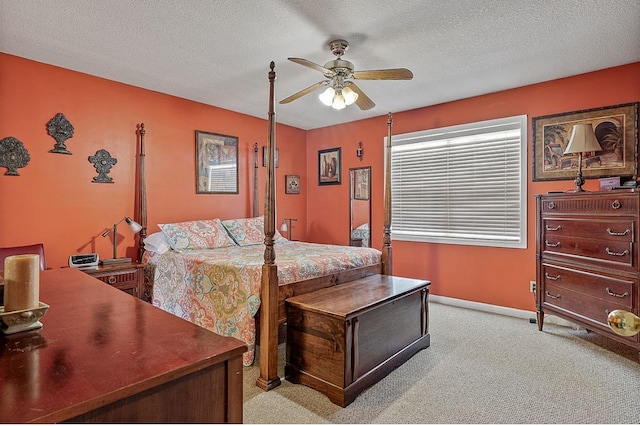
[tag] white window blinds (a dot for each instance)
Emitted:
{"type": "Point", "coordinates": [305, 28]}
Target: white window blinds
{"type": "Point", "coordinates": [464, 184]}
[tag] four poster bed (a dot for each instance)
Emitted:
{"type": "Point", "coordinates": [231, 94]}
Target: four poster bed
{"type": "Point", "coordinates": [219, 280]}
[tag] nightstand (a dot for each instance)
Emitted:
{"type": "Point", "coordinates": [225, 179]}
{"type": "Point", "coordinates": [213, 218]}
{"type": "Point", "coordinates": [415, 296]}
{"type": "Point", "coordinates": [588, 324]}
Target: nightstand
{"type": "Point", "coordinates": [127, 277]}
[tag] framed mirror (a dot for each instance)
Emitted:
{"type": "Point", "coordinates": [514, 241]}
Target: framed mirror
{"type": "Point", "coordinates": [360, 206]}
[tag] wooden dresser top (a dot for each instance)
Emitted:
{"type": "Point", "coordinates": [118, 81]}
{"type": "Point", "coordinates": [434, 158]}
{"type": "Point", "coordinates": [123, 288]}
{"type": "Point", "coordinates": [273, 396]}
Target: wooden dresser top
{"type": "Point", "coordinates": [97, 345]}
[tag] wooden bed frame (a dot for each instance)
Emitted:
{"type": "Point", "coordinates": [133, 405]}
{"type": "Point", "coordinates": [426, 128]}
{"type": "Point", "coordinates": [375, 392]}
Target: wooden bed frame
{"type": "Point", "coordinates": [272, 314]}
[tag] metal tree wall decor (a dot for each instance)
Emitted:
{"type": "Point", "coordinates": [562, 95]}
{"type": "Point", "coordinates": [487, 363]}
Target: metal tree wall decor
{"type": "Point", "coordinates": [102, 161]}
{"type": "Point", "coordinates": [60, 129]}
{"type": "Point", "coordinates": [13, 155]}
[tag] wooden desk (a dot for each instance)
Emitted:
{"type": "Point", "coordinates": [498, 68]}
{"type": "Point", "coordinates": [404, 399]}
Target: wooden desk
{"type": "Point", "coordinates": [104, 356]}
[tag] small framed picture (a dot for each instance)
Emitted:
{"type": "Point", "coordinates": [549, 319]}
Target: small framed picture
{"type": "Point", "coordinates": [329, 166]}
{"type": "Point", "coordinates": [264, 157]}
{"type": "Point", "coordinates": [292, 184]}
{"type": "Point", "coordinates": [216, 163]}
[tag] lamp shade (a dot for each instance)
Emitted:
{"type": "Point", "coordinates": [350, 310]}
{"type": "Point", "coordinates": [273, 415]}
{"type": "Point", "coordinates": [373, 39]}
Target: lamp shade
{"type": "Point", "coordinates": [326, 97]}
{"type": "Point", "coordinates": [338, 100]}
{"type": "Point", "coordinates": [583, 139]}
{"type": "Point", "coordinates": [133, 225]}
{"type": "Point", "coordinates": [349, 95]}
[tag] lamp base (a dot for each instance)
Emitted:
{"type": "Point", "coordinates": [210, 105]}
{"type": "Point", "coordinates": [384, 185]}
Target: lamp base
{"type": "Point", "coordinates": [579, 181]}
{"type": "Point", "coordinates": [117, 261]}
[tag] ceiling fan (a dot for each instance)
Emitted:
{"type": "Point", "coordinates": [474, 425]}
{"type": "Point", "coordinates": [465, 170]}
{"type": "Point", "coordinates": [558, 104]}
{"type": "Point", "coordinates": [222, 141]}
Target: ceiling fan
{"type": "Point", "coordinates": [341, 89]}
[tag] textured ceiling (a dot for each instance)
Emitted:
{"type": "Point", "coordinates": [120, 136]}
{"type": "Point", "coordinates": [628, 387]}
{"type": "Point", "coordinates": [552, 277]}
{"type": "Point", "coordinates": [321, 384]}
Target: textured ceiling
{"type": "Point", "coordinates": [218, 51]}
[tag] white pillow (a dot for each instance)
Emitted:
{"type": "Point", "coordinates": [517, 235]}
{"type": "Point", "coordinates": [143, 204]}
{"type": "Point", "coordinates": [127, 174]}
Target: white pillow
{"type": "Point", "coordinates": [157, 242]}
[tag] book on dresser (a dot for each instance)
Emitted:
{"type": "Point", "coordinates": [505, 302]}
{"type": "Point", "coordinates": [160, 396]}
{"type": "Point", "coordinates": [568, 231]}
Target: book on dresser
{"type": "Point", "coordinates": [587, 258]}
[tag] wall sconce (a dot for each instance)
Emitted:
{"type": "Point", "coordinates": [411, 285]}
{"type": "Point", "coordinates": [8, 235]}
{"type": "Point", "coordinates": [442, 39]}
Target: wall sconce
{"type": "Point", "coordinates": [287, 229]}
{"type": "Point", "coordinates": [135, 228]}
{"type": "Point", "coordinates": [359, 151]}
{"type": "Point", "coordinates": [583, 139]}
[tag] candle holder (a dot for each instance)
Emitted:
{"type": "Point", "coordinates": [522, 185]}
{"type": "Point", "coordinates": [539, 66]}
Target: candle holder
{"type": "Point", "coordinates": [22, 320]}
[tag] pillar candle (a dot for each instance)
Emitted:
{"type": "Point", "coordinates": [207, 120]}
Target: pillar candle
{"type": "Point", "coordinates": [21, 282]}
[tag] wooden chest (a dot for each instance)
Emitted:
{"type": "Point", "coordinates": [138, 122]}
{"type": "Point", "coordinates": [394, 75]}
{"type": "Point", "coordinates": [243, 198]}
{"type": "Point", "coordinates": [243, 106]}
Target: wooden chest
{"type": "Point", "coordinates": [587, 258]}
{"type": "Point", "coordinates": [343, 339]}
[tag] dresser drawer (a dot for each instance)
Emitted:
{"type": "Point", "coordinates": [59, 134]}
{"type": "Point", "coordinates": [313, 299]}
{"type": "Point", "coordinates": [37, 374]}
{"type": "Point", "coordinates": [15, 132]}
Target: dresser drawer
{"type": "Point", "coordinates": [591, 204]}
{"type": "Point", "coordinates": [585, 308]}
{"type": "Point", "coordinates": [604, 229]}
{"type": "Point", "coordinates": [620, 255]}
{"type": "Point", "coordinates": [611, 289]}
{"type": "Point", "coordinates": [127, 278]}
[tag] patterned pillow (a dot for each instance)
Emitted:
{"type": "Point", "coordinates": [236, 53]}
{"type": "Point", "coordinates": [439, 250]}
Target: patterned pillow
{"type": "Point", "coordinates": [197, 234]}
{"type": "Point", "coordinates": [248, 231]}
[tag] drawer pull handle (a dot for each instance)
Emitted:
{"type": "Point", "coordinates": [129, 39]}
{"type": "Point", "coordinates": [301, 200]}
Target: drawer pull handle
{"type": "Point", "coordinates": [548, 244]}
{"type": "Point", "coordinates": [551, 295]}
{"type": "Point", "coordinates": [552, 205]}
{"type": "Point", "coordinates": [613, 253]}
{"type": "Point", "coordinates": [618, 234]}
{"type": "Point", "coordinates": [616, 204]}
{"type": "Point", "coordinates": [557, 228]}
{"type": "Point", "coordinates": [549, 277]}
{"type": "Point", "coordinates": [112, 279]}
{"type": "Point", "coordinates": [622, 296]}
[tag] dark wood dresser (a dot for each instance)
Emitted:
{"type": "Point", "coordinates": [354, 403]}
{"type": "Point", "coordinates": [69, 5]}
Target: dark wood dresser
{"type": "Point", "coordinates": [103, 356]}
{"type": "Point", "coordinates": [587, 257]}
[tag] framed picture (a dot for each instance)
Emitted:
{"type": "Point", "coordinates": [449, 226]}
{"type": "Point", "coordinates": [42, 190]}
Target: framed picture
{"type": "Point", "coordinates": [361, 183]}
{"type": "Point", "coordinates": [292, 184]}
{"type": "Point", "coordinates": [615, 128]}
{"type": "Point", "coordinates": [329, 166]}
{"type": "Point", "coordinates": [216, 163]}
{"type": "Point", "coordinates": [264, 157]}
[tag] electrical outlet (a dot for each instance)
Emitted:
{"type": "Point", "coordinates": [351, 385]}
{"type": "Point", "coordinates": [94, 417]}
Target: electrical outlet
{"type": "Point", "coordinates": [532, 286]}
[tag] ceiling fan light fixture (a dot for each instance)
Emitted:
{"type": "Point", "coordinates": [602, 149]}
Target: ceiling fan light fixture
{"type": "Point", "coordinates": [349, 95]}
{"type": "Point", "coordinates": [338, 101]}
{"type": "Point", "coordinates": [326, 97]}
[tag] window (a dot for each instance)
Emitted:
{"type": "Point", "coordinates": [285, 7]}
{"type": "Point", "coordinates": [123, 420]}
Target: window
{"type": "Point", "coordinates": [463, 184]}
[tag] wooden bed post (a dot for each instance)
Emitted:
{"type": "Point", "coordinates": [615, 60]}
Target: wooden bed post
{"type": "Point", "coordinates": [269, 378]}
{"type": "Point", "coordinates": [386, 237]}
{"type": "Point", "coordinates": [255, 180]}
{"type": "Point", "coordinates": [142, 195]}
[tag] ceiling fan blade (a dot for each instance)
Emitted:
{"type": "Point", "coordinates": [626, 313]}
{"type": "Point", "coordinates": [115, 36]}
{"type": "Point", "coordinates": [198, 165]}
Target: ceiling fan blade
{"type": "Point", "coordinates": [390, 74]}
{"type": "Point", "coordinates": [312, 65]}
{"type": "Point", "coordinates": [363, 101]}
{"type": "Point", "coordinates": [304, 92]}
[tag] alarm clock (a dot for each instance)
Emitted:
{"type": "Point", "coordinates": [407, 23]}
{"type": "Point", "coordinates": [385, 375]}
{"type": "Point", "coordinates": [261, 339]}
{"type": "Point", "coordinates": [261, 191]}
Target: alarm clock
{"type": "Point", "coordinates": [84, 261]}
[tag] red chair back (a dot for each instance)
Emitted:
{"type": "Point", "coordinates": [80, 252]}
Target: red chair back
{"type": "Point", "coordinates": [30, 249]}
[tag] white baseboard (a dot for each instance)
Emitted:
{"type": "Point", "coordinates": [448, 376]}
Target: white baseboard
{"type": "Point", "coordinates": [495, 309]}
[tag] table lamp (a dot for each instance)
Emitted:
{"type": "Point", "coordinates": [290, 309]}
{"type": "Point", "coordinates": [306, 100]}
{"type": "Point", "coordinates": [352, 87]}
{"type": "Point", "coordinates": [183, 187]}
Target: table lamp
{"type": "Point", "coordinates": [583, 139]}
{"type": "Point", "coordinates": [287, 229]}
{"type": "Point", "coordinates": [135, 228]}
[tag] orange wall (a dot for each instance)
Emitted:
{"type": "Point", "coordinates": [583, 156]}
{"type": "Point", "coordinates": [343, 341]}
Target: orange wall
{"type": "Point", "coordinates": [489, 275]}
{"type": "Point", "coordinates": [54, 200]}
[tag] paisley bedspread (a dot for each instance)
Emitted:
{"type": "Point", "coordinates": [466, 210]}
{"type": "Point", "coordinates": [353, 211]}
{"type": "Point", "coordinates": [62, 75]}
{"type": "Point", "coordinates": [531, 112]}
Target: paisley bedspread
{"type": "Point", "coordinates": [219, 289]}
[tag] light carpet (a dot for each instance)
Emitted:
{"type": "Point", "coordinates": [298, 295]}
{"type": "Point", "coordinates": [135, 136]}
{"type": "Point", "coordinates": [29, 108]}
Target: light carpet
{"type": "Point", "coordinates": [480, 368]}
